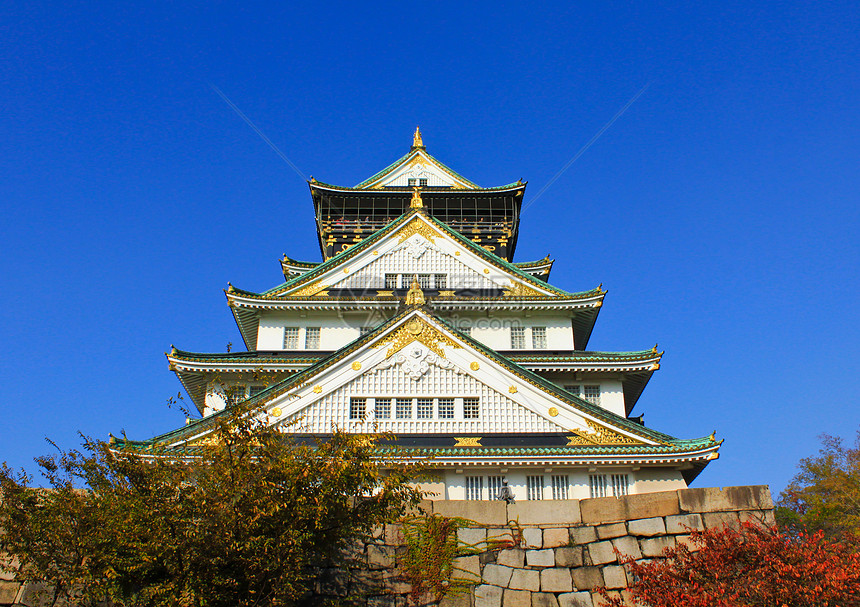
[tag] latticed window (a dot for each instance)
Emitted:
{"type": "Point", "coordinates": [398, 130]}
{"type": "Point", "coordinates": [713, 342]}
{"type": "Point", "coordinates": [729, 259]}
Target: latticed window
{"type": "Point", "coordinates": [539, 338]}
{"type": "Point", "coordinates": [403, 408]}
{"type": "Point", "coordinates": [534, 487]}
{"type": "Point", "coordinates": [573, 390]}
{"type": "Point", "coordinates": [357, 407]}
{"type": "Point", "coordinates": [474, 487]}
{"type": "Point", "coordinates": [412, 182]}
{"type": "Point", "coordinates": [446, 408]}
{"type": "Point", "coordinates": [236, 394]}
{"type": "Point", "coordinates": [560, 485]}
{"type": "Point", "coordinates": [312, 338]}
{"type": "Point", "coordinates": [597, 484]}
{"type": "Point", "coordinates": [494, 484]}
{"type": "Point", "coordinates": [422, 182]}
{"type": "Point", "coordinates": [471, 408]}
{"type": "Point", "coordinates": [424, 281]}
{"type": "Point", "coordinates": [592, 394]}
{"type": "Point", "coordinates": [291, 338]}
{"type": "Point", "coordinates": [518, 338]}
{"type": "Point", "coordinates": [255, 390]}
{"type": "Point", "coordinates": [391, 281]}
{"type": "Point", "coordinates": [382, 408]}
{"type": "Point", "coordinates": [425, 408]}
{"type": "Point", "coordinates": [440, 281]}
{"type": "Point", "coordinates": [620, 482]}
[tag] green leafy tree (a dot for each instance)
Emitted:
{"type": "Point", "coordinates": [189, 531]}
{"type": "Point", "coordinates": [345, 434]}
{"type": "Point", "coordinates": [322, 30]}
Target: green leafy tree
{"type": "Point", "coordinates": [245, 520]}
{"type": "Point", "coordinates": [825, 493]}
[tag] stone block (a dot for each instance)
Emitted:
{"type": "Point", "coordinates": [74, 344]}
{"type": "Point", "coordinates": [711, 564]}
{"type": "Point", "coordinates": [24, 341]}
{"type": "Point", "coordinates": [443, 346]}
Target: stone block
{"type": "Point", "coordinates": [601, 552]}
{"type": "Point", "coordinates": [720, 520]}
{"type": "Point", "coordinates": [472, 537]}
{"type": "Point", "coordinates": [491, 513]}
{"type": "Point", "coordinates": [364, 582]}
{"type": "Point", "coordinates": [656, 545]}
{"type": "Point", "coordinates": [8, 592]}
{"type": "Point", "coordinates": [606, 532]}
{"type": "Point", "coordinates": [540, 558]}
{"type": "Point", "coordinates": [11, 561]}
{"type": "Point", "coordinates": [687, 540]}
{"type": "Point", "coordinates": [333, 582]}
{"type": "Point", "coordinates": [575, 599]}
{"type": "Point", "coordinates": [614, 576]}
{"type": "Point", "coordinates": [713, 499]}
{"type": "Point", "coordinates": [533, 537]}
{"type": "Point", "coordinates": [647, 527]}
{"type": "Point", "coordinates": [525, 579]}
{"type": "Point", "coordinates": [468, 567]}
{"type": "Point", "coordinates": [627, 546]}
{"type": "Point", "coordinates": [570, 556]}
{"type": "Point", "coordinates": [600, 601]}
{"type": "Point", "coordinates": [583, 535]}
{"type": "Point", "coordinates": [556, 536]}
{"type": "Point", "coordinates": [497, 575]}
{"type": "Point", "coordinates": [684, 523]}
{"type": "Point", "coordinates": [561, 513]}
{"type": "Point", "coordinates": [517, 598]}
{"type": "Point", "coordinates": [380, 557]}
{"type": "Point", "coordinates": [586, 578]}
{"type": "Point", "coordinates": [512, 557]}
{"type": "Point", "coordinates": [544, 599]}
{"type": "Point", "coordinates": [488, 596]}
{"type": "Point", "coordinates": [381, 601]}
{"type": "Point", "coordinates": [556, 579]}
{"type": "Point", "coordinates": [644, 505]}
{"type": "Point", "coordinates": [394, 534]}
{"type": "Point", "coordinates": [458, 599]}
{"type": "Point", "coordinates": [759, 518]}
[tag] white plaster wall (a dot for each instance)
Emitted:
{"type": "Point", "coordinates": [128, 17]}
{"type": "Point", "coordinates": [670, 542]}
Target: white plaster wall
{"type": "Point", "coordinates": [335, 331]}
{"type": "Point", "coordinates": [649, 480]}
{"type": "Point", "coordinates": [495, 331]}
{"type": "Point", "coordinates": [611, 395]}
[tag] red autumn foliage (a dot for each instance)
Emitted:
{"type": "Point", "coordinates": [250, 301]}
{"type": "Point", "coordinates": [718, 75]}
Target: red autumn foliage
{"type": "Point", "coordinates": [750, 567]}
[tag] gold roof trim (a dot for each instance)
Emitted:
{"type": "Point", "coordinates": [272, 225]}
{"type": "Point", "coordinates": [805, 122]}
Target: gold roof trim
{"type": "Point", "coordinates": [599, 435]}
{"type": "Point", "coordinates": [416, 330]}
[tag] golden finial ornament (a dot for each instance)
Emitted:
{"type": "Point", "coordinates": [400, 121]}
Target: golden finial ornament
{"type": "Point", "coordinates": [417, 142]}
{"type": "Point", "coordinates": [416, 202]}
{"type": "Point", "coordinates": [415, 296]}
{"type": "Point", "coordinates": [654, 349]}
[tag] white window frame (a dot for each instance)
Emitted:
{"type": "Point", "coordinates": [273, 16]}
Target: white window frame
{"type": "Point", "coordinates": [591, 393]}
{"type": "Point", "coordinates": [386, 413]}
{"type": "Point", "coordinates": [398, 410]}
{"type": "Point", "coordinates": [518, 338]}
{"type": "Point", "coordinates": [560, 486]}
{"type": "Point", "coordinates": [474, 488]}
{"type": "Point", "coordinates": [313, 335]}
{"type": "Point", "coordinates": [357, 408]}
{"type": "Point", "coordinates": [494, 486]}
{"type": "Point", "coordinates": [446, 407]}
{"type": "Point", "coordinates": [291, 336]}
{"type": "Point", "coordinates": [620, 484]}
{"type": "Point", "coordinates": [421, 408]}
{"type": "Point", "coordinates": [534, 487]}
{"type": "Point", "coordinates": [538, 338]}
{"type": "Point", "coordinates": [597, 485]}
{"type": "Point", "coordinates": [474, 405]}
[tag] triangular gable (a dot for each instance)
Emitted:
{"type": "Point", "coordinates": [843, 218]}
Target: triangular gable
{"type": "Point", "coordinates": [417, 164]}
{"type": "Point", "coordinates": [411, 236]}
{"type": "Point", "coordinates": [586, 424]}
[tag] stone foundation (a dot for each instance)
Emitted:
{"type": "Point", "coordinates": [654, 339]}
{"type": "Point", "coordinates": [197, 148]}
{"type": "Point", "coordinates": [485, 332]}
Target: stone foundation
{"type": "Point", "coordinates": [568, 547]}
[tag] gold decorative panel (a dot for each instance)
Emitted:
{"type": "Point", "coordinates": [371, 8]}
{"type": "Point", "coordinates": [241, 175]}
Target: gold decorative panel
{"type": "Point", "coordinates": [467, 441]}
{"type": "Point", "coordinates": [599, 435]}
{"type": "Point", "coordinates": [416, 330]}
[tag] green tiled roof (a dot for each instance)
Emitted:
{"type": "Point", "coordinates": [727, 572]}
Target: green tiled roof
{"type": "Point", "coordinates": [403, 159]}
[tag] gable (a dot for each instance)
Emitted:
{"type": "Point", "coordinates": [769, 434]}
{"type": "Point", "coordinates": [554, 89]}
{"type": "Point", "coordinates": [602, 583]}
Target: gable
{"type": "Point", "coordinates": [417, 165]}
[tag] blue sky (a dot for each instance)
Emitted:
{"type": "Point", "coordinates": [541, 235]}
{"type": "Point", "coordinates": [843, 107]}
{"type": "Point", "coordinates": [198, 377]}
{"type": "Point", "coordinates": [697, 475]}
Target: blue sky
{"type": "Point", "coordinates": [720, 211]}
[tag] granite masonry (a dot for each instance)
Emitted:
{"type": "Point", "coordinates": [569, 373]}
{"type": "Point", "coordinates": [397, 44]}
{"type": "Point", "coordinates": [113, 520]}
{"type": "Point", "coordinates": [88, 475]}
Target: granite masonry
{"type": "Point", "coordinates": [567, 548]}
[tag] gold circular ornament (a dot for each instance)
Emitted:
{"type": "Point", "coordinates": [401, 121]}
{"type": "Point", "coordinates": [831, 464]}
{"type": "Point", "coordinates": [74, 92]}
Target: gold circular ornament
{"type": "Point", "coordinates": [512, 389]}
{"type": "Point", "coordinates": [457, 253]}
{"type": "Point", "coordinates": [474, 366]}
{"type": "Point", "coordinates": [317, 389]}
{"type": "Point", "coordinates": [553, 411]}
{"type": "Point", "coordinates": [376, 252]}
{"type": "Point", "coordinates": [486, 271]}
{"type": "Point", "coordinates": [276, 412]}
{"type": "Point", "coordinates": [414, 327]}
{"type": "Point", "coordinates": [356, 366]}
{"type": "Point", "coordinates": [346, 270]}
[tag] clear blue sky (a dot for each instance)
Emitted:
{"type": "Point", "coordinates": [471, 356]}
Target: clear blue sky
{"type": "Point", "coordinates": [720, 211]}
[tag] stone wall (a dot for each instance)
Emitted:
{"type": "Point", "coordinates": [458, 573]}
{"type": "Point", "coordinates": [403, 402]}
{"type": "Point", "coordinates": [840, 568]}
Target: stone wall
{"type": "Point", "coordinates": [567, 551]}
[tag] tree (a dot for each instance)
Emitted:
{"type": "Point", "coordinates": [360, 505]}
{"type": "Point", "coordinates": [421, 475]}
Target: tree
{"type": "Point", "coordinates": [825, 493]}
{"type": "Point", "coordinates": [243, 522]}
{"type": "Point", "coordinates": [749, 567]}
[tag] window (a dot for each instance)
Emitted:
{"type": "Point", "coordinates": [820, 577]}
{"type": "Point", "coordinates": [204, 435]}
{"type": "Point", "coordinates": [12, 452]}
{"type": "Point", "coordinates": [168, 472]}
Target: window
{"type": "Point", "coordinates": [471, 408]}
{"type": "Point", "coordinates": [424, 281]}
{"type": "Point", "coordinates": [573, 390]}
{"type": "Point", "coordinates": [539, 338]}
{"type": "Point", "coordinates": [291, 338]}
{"type": "Point", "coordinates": [391, 281]}
{"type": "Point", "coordinates": [446, 408]}
{"type": "Point", "coordinates": [597, 483]}
{"type": "Point", "coordinates": [560, 484]}
{"type": "Point", "coordinates": [425, 408]}
{"type": "Point", "coordinates": [312, 338]}
{"type": "Point", "coordinates": [357, 407]}
{"type": "Point", "coordinates": [592, 394]}
{"type": "Point", "coordinates": [518, 338]}
{"type": "Point", "coordinates": [403, 408]}
{"type": "Point", "coordinates": [413, 182]}
{"type": "Point", "coordinates": [255, 390]}
{"type": "Point", "coordinates": [620, 483]}
{"type": "Point", "coordinates": [474, 487]}
{"type": "Point", "coordinates": [534, 487]}
{"type": "Point", "coordinates": [236, 394]}
{"type": "Point", "coordinates": [440, 281]}
{"type": "Point", "coordinates": [422, 183]}
{"type": "Point", "coordinates": [494, 484]}
{"type": "Point", "coordinates": [382, 408]}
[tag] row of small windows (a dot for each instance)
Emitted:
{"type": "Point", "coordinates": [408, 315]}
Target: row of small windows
{"type": "Point", "coordinates": [291, 338]}
{"type": "Point", "coordinates": [589, 393]}
{"type": "Point", "coordinates": [414, 408]}
{"type": "Point", "coordinates": [425, 281]}
{"type": "Point", "coordinates": [599, 485]}
{"type": "Point", "coordinates": [538, 338]}
{"type": "Point", "coordinates": [236, 394]}
{"type": "Point", "coordinates": [417, 182]}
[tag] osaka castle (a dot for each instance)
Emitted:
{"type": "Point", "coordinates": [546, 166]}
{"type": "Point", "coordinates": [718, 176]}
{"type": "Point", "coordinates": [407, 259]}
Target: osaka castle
{"type": "Point", "coordinates": [419, 323]}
